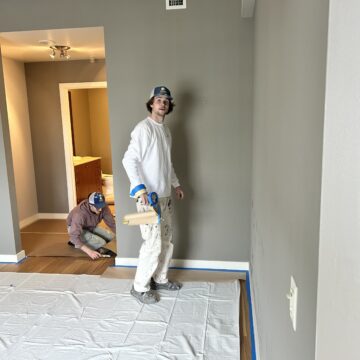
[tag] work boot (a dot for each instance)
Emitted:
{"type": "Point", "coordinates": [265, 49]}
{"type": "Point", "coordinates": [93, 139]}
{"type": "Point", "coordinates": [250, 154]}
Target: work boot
{"type": "Point", "coordinates": [147, 297]}
{"type": "Point", "coordinates": [170, 285]}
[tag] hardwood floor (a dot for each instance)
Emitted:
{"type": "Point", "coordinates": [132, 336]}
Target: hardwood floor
{"type": "Point", "coordinates": [60, 265]}
{"type": "Point", "coordinates": [104, 267]}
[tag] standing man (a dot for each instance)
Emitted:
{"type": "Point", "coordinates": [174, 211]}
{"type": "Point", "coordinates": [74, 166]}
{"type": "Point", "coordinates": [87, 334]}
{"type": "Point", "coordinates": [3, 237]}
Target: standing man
{"type": "Point", "coordinates": [83, 221]}
{"type": "Point", "coordinates": [148, 165]}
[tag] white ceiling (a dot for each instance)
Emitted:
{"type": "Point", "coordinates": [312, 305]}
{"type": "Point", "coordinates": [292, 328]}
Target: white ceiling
{"type": "Point", "coordinates": [33, 46]}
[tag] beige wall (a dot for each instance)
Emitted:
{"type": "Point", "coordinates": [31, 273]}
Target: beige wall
{"type": "Point", "coordinates": [100, 131]}
{"type": "Point", "coordinates": [80, 122]}
{"type": "Point", "coordinates": [20, 135]}
{"type": "Point", "coordinates": [91, 125]}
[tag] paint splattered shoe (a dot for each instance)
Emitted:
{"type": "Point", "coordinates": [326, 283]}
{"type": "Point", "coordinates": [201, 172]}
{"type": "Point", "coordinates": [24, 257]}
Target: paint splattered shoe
{"type": "Point", "coordinates": [147, 297]}
{"type": "Point", "coordinates": [170, 285]}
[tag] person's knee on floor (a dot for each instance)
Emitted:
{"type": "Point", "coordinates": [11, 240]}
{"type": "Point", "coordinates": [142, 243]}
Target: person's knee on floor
{"type": "Point", "coordinates": [83, 220]}
{"type": "Point", "coordinates": [105, 234]}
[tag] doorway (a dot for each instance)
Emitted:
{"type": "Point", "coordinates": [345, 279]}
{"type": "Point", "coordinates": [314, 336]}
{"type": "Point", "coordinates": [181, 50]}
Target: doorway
{"type": "Point", "coordinates": [32, 75]}
{"type": "Point", "coordinates": [49, 237]}
{"type": "Point", "coordinates": [86, 134]}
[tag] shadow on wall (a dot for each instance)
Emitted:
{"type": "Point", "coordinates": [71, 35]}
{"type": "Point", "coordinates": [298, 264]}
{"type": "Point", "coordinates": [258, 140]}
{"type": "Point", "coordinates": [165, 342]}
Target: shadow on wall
{"type": "Point", "coordinates": [184, 101]}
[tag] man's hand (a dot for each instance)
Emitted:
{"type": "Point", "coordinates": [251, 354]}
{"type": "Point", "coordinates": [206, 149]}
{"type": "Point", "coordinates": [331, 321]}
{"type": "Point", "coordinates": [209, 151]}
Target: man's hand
{"type": "Point", "coordinates": [179, 193]}
{"type": "Point", "coordinates": [92, 253]}
{"type": "Point", "coordinates": [144, 198]}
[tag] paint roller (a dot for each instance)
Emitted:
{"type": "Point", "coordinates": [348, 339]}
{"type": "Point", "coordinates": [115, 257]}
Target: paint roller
{"type": "Point", "coordinates": [152, 216]}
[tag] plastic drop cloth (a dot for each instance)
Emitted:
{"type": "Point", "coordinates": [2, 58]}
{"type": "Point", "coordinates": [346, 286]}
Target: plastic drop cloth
{"type": "Point", "coordinates": [78, 317]}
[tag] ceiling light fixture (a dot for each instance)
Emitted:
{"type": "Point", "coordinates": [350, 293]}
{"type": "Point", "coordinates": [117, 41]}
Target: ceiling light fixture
{"type": "Point", "coordinates": [62, 50]}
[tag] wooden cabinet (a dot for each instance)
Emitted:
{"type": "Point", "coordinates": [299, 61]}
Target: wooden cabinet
{"type": "Point", "coordinates": [87, 178]}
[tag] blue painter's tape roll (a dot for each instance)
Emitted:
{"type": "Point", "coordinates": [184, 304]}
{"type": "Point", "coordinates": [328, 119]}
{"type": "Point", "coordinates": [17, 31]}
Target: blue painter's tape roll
{"type": "Point", "coordinates": [153, 198]}
{"type": "Point", "coordinates": [154, 202]}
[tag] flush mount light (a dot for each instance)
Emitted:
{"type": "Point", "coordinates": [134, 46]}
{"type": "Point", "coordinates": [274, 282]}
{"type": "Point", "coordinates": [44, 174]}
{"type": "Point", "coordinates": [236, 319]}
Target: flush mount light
{"type": "Point", "coordinates": [62, 50]}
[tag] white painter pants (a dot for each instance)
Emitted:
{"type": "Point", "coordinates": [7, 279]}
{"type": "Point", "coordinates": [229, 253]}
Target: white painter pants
{"type": "Point", "coordinates": [157, 248]}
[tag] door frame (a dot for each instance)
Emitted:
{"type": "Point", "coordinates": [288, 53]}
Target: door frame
{"type": "Point", "coordinates": [67, 133]}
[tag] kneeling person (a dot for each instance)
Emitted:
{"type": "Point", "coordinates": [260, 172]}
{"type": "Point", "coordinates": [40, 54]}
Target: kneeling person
{"type": "Point", "coordinates": [83, 221]}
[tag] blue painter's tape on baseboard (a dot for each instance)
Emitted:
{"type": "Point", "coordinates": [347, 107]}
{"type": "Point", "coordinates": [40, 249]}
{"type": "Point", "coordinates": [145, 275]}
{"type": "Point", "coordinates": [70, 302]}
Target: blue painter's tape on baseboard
{"type": "Point", "coordinates": [207, 269]}
{"type": "Point", "coordinates": [125, 266]}
{"type": "Point", "coordinates": [193, 264]}
{"type": "Point", "coordinates": [181, 268]}
{"type": "Point", "coordinates": [252, 334]}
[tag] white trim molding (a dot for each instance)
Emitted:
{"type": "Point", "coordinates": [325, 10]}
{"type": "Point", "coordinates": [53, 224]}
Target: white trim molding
{"type": "Point", "coordinates": [31, 219]}
{"type": "Point", "coordinates": [54, 216]}
{"type": "Point", "coordinates": [13, 258]}
{"type": "Point", "coordinates": [192, 264]}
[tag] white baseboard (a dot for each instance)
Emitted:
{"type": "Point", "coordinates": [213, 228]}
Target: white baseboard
{"type": "Point", "coordinates": [52, 216]}
{"type": "Point", "coordinates": [28, 221]}
{"type": "Point", "coordinates": [33, 218]}
{"type": "Point", "coordinates": [12, 258]}
{"type": "Point", "coordinates": [192, 264]}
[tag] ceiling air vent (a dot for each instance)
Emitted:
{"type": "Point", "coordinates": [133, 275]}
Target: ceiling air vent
{"type": "Point", "coordinates": [175, 4]}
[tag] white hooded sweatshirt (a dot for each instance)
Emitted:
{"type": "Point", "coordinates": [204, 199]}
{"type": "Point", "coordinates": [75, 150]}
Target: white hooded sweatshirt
{"type": "Point", "coordinates": [147, 160]}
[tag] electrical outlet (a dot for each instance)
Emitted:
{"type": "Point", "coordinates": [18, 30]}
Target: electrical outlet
{"type": "Point", "coordinates": [293, 296]}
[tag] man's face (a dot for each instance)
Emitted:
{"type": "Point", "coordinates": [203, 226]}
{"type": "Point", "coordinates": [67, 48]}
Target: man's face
{"type": "Point", "coordinates": [160, 106]}
{"type": "Point", "coordinates": [95, 210]}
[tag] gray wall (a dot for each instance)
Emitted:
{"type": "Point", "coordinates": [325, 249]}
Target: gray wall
{"type": "Point", "coordinates": [338, 308]}
{"type": "Point", "coordinates": [10, 235]}
{"type": "Point", "coordinates": [290, 58]}
{"type": "Point", "coordinates": [204, 54]}
{"type": "Point", "coordinates": [43, 79]}
{"type": "Point", "coordinates": [19, 125]}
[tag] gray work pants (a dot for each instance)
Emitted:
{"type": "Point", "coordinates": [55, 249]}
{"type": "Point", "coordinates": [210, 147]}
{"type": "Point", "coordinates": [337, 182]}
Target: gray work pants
{"type": "Point", "coordinates": [96, 238]}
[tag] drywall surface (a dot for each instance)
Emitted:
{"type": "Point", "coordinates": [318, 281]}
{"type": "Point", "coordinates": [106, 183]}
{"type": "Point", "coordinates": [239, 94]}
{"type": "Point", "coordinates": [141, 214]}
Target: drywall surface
{"type": "Point", "coordinates": [43, 79]}
{"type": "Point", "coordinates": [204, 54]}
{"type": "Point", "coordinates": [9, 223]}
{"type": "Point", "coordinates": [100, 127]}
{"type": "Point", "coordinates": [338, 309]}
{"type": "Point", "coordinates": [80, 120]}
{"type": "Point", "coordinates": [290, 59]}
{"type": "Point", "coordinates": [21, 147]}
